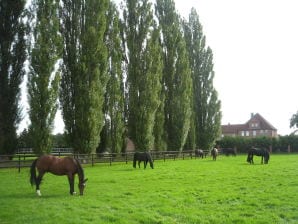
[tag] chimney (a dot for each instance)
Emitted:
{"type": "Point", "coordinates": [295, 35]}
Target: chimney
{"type": "Point", "coordinates": [251, 115]}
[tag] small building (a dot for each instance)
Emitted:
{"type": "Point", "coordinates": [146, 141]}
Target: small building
{"type": "Point", "coordinates": [256, 126]}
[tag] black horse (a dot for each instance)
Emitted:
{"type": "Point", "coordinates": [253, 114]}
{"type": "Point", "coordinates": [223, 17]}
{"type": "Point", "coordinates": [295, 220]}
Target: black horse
{"type": "Point", "coordinates": [258, 152]}
{"type": "Point", "coordinates": [199, 153]}
{"type": "Point", "coordinates": [142, 156]}
{"type": "Point", "coordinates": [229, 151]}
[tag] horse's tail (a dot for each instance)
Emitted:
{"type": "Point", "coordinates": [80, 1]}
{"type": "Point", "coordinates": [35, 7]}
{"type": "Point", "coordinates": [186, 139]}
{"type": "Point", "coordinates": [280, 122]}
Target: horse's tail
{"type": "Point", "coordinates": [33, 173]}
{"type": "Point", "coordinates": [134, 160]}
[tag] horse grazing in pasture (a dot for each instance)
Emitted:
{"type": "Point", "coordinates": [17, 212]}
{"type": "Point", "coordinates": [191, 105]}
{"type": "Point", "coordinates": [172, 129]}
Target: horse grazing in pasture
{"type": "Point", "coordinates": [258, 152]}
{"type": "Point", "coordinates": [199, 153]}
{"type": "Point", "coordinates": [142, 156]}
{"type": "Point", "coordinates": [214, 153]}
{"type": "Point", "coordinates": [229, 151]}
{"type": "Point", "coordinates": [58, 166]}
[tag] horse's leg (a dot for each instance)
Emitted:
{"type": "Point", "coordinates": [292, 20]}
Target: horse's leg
{"type": "Point", "coordinates": [139, 162]}
{"type": "Point", "coordinates": [71, 183]}
{"type": "Point", "coordinates": [145, 164]}
{"type": "Point", "coordinates": [262, 160]}
{"type": "Point", "coordinates": [38, 181]}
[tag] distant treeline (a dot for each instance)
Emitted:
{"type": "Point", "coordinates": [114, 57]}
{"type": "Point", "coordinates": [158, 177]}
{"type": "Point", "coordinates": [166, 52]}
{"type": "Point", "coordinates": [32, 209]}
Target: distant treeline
{"type": "Point", "coordinates": [242, 144]}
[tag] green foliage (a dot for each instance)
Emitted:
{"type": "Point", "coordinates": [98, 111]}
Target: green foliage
{"type": "Point", "coordinates": [25, 139]}
{"type": "Point", "coordinates": [294, 121]}
{"type": "Point", "coordinates": [59, 141]}
{"type": "Point", "coordinates": [12, 57]}
{"type": "Point", "coordinates": [143, 72]}
{"type": "Point", "coordinates": [206, 106]}
{"type": "Point", "coordinates": [176, 76]}
{"type": "Point", "coordinates": [84, 71]}
{"type": "Point", "coordinates": [242, 144]}
{"type": "Point", "coordinates": [182, 191]}
{"type": "Point", "coordinates": [113, 131]}
{"type": "Point", "coordinates": [43, 80]}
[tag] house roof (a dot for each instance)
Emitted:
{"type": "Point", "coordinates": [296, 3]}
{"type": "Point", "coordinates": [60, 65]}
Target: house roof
{"type": "Point", "coordinates": [236, 128]}
{"type": "Point", "coordinates": [233, 128]}
{"type": "Point", "coordinates": [264, 124]}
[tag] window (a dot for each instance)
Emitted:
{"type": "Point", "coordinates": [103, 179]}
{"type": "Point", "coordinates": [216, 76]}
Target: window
{"type": "Point", "coordinates": [247, 133]}
{"type": "Point", "coordinates": [254, 133]}
{"type": "Point", "coordinates": [254, 125]}
{"type": "Point", "coordinates": [242, 133]}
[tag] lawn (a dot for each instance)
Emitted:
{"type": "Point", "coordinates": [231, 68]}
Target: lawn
{"type": "Point", "coordinates": [183, 191]}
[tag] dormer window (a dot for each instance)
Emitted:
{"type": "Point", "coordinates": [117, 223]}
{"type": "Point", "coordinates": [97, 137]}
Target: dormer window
{"type": "Point", "coordinates": [254, 125]}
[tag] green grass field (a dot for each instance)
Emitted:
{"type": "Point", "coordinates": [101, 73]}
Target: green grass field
{"type": "Point", "coordinates": [182, 191]}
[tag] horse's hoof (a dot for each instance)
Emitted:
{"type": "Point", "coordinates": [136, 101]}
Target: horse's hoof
{"type": "Point", "coordinates": [38, 193]}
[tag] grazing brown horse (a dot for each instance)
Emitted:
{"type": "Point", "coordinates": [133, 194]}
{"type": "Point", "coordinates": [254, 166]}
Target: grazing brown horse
{"type": "Point", "coordinates": [58, 166]}
{"type": "Point", "coordinates": [214, 153]}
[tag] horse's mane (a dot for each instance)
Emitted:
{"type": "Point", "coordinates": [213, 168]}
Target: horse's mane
{"type": "Point", "coordinates": [80, 169]}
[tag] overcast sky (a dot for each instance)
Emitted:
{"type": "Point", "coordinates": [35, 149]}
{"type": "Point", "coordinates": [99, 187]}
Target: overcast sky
{"type": "Point", "coordinates": [255, 47]}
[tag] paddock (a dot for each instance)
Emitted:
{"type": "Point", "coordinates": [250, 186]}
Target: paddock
{"type": "Point", "coordinates": [176, 191]}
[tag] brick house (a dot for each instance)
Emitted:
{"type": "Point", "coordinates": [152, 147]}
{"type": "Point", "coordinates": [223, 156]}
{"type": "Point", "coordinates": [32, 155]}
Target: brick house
{"type": "Point", "coordinates": [256, 126]}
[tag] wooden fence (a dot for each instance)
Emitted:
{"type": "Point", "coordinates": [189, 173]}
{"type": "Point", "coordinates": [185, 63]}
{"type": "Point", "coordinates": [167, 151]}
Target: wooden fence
{"type": "Point", "coordinates": [24, 158]}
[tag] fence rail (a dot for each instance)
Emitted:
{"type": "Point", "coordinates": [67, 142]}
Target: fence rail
{"type": "Point", "coordinates": [25, 157]}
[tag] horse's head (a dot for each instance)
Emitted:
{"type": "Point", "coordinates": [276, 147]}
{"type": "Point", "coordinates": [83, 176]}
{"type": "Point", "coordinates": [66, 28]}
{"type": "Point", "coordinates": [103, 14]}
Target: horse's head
{"type": "Point", "coordinates": [82, 185]}
{"type": "Point", "coordinates": [266, 157]}
{"type": "Point", "coordinates": [151, 164]}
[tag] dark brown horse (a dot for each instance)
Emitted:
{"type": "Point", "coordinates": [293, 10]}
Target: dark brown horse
{"type": "Point", "coordinates": [142, 156]}
{"type": "Point", "coordinates": [58, 166]}
{"type": "Point", "coordinates": [258, 152]}
{"type": "Point", "coordinates": [214, 153]}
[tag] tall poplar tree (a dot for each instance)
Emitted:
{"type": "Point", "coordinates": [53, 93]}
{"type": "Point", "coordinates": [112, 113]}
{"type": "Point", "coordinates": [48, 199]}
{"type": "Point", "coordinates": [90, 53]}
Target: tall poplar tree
{"type": "Point", "coordinates": [113, 130]}
{"type": "Point", "coordinates": [84, 78]}
{"type": "Point", "coordinates": [176, 75]}
{"type": "Point", "coordinates": [143, 73]}
{"type": "Point", "coordinates": [206, 106]}
{"type": "Point", "coordinates": [43, 81]}
{"type": "Point", "coordinates": [12, 57]}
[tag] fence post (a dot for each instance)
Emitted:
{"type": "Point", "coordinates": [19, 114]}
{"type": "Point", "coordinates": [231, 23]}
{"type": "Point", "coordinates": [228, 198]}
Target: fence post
{"type": "Point", "coordinates": [126, 157]}
{"type": "Point", "coordinates": [110, 160]}
{"type": "Point", "coordinates": [92, 161]}
{"type": "Point", "coordinates": [19, 163]}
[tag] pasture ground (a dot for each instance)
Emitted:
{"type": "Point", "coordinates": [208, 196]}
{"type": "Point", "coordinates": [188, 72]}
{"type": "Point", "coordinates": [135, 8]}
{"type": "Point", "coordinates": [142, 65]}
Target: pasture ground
{"type": "Point", "coordinates": [182, 191]}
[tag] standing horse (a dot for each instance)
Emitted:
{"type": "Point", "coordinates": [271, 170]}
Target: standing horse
{"type": "Point", "coordinates": [258, 152]}
{"type": "Point", "coordinates": [142, 156]}
{"type": "Point", "coordinates": [58, 166]}
{"type": "Point", "coordinates": [199, 153]}
{"type": "Point", "coordinates": [214, 153]}
{"type": "Point", "coordinates": [228, 151]}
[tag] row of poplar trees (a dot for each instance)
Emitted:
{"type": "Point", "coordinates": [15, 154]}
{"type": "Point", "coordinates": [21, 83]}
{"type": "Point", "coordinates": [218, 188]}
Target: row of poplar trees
{"type": "Point", "coordinates": [139, 72]}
